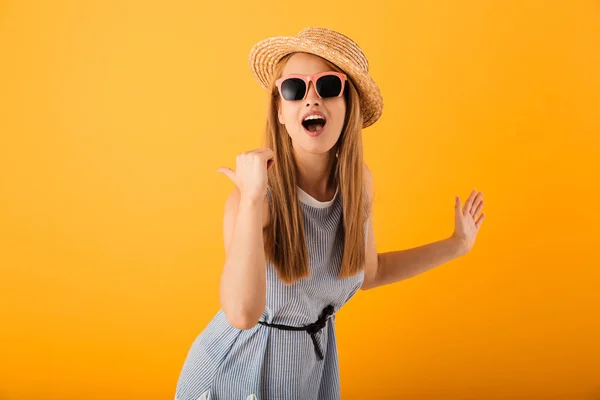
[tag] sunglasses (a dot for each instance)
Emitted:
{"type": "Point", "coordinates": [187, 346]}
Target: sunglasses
{"type": "Point", "coordinates": [327, 84]}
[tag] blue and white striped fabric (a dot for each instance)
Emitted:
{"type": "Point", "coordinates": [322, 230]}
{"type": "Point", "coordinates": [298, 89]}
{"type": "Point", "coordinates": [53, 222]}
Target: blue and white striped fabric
{"type": "Point", "coordinates": [266, 363]}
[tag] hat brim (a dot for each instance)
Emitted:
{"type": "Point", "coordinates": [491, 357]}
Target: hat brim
{"type": "Point", "coordinates": [265, 55]}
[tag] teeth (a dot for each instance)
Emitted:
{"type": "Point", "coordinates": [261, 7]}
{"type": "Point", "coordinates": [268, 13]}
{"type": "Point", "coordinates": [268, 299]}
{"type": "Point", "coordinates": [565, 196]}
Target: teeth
{"type": "Point", "coordinates": [314, 117]}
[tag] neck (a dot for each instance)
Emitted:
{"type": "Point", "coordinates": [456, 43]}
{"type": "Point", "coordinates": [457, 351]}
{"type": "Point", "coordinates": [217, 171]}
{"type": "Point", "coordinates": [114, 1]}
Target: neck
{"type": "Point", "coordinates": [313, 173]}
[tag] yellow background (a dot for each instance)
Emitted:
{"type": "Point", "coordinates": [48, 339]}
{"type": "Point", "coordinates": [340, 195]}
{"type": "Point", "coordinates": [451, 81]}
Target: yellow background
{"type": "Point", "coordinates": [115, 115]}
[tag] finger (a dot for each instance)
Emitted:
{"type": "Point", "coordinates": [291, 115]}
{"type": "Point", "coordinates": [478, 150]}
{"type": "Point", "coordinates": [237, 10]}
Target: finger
{"type": "Point", "coordinates": [268, 150]}
{"type": "Point", "coordinates": [476, 202]}
{"type": "Point", "coordinates": [228, 172]}
{"type": "Point", "coordinates": [479, 221]}
{"type": "Point", "coordinates": [267, 154]}
{"type": "Point", "coordinates": [457, 205]}
{"type": "Point", "coordinates": [262, 151]}
{"type": "Point", "coordinates": [468, 203]}
{"type": "Point", "coordinates": [478, 209]}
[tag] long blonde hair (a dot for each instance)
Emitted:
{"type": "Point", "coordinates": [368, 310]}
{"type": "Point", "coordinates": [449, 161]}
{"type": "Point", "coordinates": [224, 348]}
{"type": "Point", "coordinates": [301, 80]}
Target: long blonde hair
{"type": "Point", "coordinates": [285, 244]}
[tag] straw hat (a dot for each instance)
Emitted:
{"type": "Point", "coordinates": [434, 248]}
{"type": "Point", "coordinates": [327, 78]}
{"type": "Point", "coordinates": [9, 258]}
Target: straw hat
{"type": "Point", "coordinates": [330, 45]}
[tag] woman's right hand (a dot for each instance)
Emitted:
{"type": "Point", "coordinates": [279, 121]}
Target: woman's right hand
{"type": "Point", "coordinates": [250, 175]}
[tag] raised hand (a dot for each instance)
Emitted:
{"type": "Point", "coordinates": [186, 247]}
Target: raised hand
{"type": "Point", "coordinates": [250, 175]}
{"type": "Point", "coordinates": [467, 222]}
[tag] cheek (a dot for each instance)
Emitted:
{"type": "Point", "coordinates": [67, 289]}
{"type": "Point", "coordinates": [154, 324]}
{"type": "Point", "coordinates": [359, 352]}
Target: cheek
{"type": "Point", "coordinates": [289, 114]}
{"type": "Point", "coordinates": [338, 111]}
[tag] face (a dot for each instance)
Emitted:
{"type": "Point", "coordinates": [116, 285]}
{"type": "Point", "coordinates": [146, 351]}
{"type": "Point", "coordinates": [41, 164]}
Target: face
{"type": "Point", "coordinates": [292, 113]}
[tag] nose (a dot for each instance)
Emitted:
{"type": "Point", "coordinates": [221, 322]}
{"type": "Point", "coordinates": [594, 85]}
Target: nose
{"type": "Point", "coordinates": [312, 97]}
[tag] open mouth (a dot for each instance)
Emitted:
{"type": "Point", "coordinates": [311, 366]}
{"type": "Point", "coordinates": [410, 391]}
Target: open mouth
{"type": "Point", "coordinates": [314, 123]}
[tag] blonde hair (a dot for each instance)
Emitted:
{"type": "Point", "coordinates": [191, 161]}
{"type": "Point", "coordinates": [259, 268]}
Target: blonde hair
{"type": "Point", "coordinates": [285, 244]}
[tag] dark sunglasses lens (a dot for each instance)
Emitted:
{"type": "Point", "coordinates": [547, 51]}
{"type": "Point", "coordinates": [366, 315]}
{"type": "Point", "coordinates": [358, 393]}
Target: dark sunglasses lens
{"type": "Point", "coordinates": [329, 86]}
{"type": "Point", "coordinates": [293, 89]}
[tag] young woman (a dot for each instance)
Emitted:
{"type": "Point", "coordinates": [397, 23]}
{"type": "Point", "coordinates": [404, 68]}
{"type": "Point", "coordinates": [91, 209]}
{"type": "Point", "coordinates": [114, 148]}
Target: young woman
{"type": "Point", "coordinates": [298, 230]}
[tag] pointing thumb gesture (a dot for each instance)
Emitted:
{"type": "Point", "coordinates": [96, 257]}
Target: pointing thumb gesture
{"type": "Point", "coordinates": [251, 175]}
{"type": "Point", "coordinates": [229, 173]}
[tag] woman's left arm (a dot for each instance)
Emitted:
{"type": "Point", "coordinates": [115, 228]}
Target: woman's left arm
{"type": "Point", "coordinates": [385, 268]}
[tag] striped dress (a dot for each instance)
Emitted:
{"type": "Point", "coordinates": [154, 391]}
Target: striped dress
{"type": "Point", "coordinates": [268, 363]}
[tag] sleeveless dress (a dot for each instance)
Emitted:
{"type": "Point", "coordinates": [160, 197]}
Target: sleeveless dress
{"type": "Point", "coordinates": [267, 363]}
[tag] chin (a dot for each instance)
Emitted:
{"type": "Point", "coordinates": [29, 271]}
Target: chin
{"type": "Point", "coordinates": [314, 144]}
{"type": "Point", "coordinates": [316, 148]}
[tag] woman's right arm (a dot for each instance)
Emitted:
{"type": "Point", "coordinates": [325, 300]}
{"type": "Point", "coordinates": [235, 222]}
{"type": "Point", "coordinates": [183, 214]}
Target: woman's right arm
{"type": "Point", "coordinates": [243, 280]}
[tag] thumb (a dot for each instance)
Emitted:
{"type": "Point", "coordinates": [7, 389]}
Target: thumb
{"type": "Point", "coordinates": [228, 172]}
{"type": "Point", "coordinates": [457, 205]}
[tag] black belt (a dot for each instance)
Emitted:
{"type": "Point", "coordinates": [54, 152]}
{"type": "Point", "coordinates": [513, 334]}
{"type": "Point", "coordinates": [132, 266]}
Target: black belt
{"type": "Point", "coordinates": [311, 329]}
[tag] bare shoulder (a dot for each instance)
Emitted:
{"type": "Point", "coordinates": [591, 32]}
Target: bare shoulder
{"type": "Point", "coordinates": [231, 210]}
